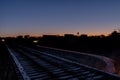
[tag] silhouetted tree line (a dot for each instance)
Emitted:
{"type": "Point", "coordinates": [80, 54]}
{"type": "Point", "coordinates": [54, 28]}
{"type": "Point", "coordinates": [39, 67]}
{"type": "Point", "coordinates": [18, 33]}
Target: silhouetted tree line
{"type": "Point", "coordinates": [93, 44]}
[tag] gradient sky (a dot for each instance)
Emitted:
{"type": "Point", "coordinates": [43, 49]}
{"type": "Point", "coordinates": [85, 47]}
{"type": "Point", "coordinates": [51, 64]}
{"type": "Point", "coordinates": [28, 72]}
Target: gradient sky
{"type": "Point", "coordinates": [38, 17]}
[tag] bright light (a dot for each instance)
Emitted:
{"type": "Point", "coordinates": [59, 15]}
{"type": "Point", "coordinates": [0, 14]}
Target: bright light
{"type": "Point", "coordinates": [3, 40]}
{"type": "Point", "coordinates": [35, 41]}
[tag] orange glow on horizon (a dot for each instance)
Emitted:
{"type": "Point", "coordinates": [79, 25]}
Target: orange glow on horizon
{"type": "Point", "coordinates": [62, 34]}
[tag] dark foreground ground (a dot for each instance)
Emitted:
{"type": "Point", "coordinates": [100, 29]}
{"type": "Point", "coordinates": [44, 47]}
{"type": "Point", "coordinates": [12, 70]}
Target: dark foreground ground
{"type": "Point", "coordinates": [7, 71]}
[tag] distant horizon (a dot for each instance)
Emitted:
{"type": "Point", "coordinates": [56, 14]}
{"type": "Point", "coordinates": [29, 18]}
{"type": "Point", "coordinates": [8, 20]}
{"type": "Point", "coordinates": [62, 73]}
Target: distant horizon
{"type": "Point", "coordinates": [32, 34]}
{"type": "Point", "coordinates": [58, 34]}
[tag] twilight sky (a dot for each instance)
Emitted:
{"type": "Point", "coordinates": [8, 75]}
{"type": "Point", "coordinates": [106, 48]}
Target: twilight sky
{"type": "Point", "coordinates": [38, 17]}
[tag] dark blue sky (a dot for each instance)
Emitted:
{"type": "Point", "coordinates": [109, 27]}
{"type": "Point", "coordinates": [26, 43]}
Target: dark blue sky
{"type": "Point", "coordinates": [37, 17]}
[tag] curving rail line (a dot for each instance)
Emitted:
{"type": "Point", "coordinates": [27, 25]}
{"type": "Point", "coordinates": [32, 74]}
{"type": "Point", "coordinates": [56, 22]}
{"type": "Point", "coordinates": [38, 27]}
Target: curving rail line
{"type": "Point", "coordinates": [37, 65]}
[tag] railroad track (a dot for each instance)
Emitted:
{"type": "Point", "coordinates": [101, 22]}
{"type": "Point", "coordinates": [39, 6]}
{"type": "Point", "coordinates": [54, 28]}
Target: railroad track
{"type": "Point", "coordinates": [38, 65]}
{"type": "Point", "coordinates": [100, 62]}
